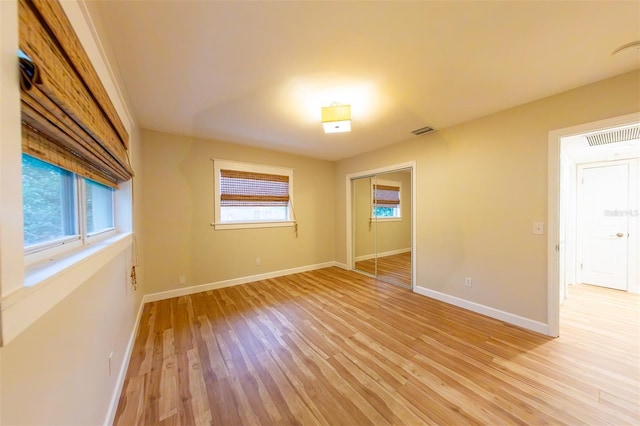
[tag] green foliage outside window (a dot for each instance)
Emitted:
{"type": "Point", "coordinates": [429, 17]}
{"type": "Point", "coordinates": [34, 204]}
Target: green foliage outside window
{"type": "Point", "coordinates": [384, 212]}
{"type": "Point", "coordinates": [48, 201]}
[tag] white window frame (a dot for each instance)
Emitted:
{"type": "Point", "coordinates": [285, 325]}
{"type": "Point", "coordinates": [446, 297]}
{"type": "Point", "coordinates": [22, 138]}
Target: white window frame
{"type": "Point", "coordinates": [54, 249]}
{"type": "Point", "coordinates": [102, 234]}
{"type": "Point", "coordinates": [389, 183]}
{"type": "Point", "coordinates": [219, 165]}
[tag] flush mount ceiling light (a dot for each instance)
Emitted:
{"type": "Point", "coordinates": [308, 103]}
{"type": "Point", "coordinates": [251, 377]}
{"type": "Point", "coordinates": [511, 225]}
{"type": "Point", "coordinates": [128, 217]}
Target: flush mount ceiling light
{"type": "Point", "coordinates": [634, 45]}
{"type": "Point", "coordinates": [336, 118]}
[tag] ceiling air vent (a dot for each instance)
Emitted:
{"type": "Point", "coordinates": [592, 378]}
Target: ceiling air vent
{"type": "Point", "coordinates": [422, 131]}
{"type": "Point", "coordinates": [617, 135]}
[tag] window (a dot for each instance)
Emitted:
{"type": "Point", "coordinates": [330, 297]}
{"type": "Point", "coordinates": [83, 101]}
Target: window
{"type": "Point", "coordinates": [49, 202]}
{"type": "Point", "coordinates": [249, 195]}
{"type": "Point", "coordinates": [61, 208]}
{"type": "Point", "coordinates": [98, 207]}
{"type": "Point", "coordinates": [386, 200]}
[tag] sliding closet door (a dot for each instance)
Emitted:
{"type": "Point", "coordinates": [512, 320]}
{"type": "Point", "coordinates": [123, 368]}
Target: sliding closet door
{"type": "Point", "coordinates": [364, 229]}
{"type": "Point", "coordinates": [392, 216]}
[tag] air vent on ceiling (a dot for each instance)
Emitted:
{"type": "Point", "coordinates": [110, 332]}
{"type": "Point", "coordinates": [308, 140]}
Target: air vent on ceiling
{"type": "Point", "coordinates": [617, 135]}
{"type": "Point", "coordinates": [422, 131]}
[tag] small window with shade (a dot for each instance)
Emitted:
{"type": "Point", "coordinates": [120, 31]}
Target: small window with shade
{"type": "Point", "coordinates": [252, 196]}
{"type": "Point", "coordinates": [386, 197]}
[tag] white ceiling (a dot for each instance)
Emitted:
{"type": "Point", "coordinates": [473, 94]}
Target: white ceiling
{"type": "Point", "coordinates": [258, 73]}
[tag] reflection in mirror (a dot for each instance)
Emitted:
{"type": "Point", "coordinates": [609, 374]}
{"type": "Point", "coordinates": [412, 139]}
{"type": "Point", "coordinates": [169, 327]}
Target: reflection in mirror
{"type": "Point", "coordinates": [363, 230]}
{"type": "Point", "coordinates": [382, 226]}
{"type": "Point", "coordinates": [392, 215]}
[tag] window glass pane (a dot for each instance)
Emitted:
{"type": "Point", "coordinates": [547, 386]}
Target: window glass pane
{"type": "Point", "coordinates": [386, 212]}
{"type": "Point", "coordinates": [99, 206]}
{"type": "Point", "coordinates": [48, 201]}
{"type": "Point", "coordinates": [254, 213]}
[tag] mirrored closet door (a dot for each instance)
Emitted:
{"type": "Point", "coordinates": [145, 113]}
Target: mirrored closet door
{"type": "Point", "coordinates": [382, 226]}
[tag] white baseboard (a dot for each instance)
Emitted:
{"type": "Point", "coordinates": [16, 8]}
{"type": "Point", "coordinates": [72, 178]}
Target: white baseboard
{"type": "Point", "coordinates": [235, 281]}
{"type": "Point", "coordinates": [382, 254]}
{"type": "Point", "coordinates": [507, 317]}
{"type": "Point", "coordinates": [341, 266]}
{"type": "Point", "coordinates": [117, 391]}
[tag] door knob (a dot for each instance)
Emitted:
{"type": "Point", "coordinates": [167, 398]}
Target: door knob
{"type": "Point", "coordinates": [619, 235]}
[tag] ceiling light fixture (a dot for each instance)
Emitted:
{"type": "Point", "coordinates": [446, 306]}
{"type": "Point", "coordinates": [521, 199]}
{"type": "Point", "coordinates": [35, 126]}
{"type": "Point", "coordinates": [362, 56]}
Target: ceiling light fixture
{"type": "Point", "coordinates": [634, 45]}
{"type": "Point", "coordinates": [336, 118]}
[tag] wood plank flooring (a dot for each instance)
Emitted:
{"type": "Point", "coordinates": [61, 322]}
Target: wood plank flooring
{"type": "Point", "coordinates": [395, 269]}
{"type": "Point", "coordinates": [332, 347]}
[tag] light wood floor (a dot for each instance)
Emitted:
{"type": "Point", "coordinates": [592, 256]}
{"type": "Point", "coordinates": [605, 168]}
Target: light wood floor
{"type": "Point", "coordinates": [333, 347]}
{"type": "Point", "coordinates": [395, 269]}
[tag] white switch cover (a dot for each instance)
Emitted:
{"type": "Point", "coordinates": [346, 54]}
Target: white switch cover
{"type": "Point", "coordinates": [538, 228]}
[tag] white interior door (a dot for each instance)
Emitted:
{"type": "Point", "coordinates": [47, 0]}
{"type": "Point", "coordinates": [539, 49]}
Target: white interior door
{"type": "Point", "coordinates": [603, 221]}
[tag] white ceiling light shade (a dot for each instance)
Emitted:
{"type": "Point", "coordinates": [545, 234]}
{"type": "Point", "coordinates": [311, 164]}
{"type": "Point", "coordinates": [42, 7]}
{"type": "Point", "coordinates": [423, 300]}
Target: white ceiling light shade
{"type": "Point", "coordinates": [336, 118]}
{"type": "Point", "coordinates": [629, 47]}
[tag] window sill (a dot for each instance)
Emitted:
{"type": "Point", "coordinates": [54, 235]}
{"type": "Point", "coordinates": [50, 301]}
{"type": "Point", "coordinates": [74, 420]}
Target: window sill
{"type": "Point", "coordinates": [249, 225]}
{"type": "Point", "coordinates": [47, 283]}
{"type": "Point", "coordinates": [385, 219]}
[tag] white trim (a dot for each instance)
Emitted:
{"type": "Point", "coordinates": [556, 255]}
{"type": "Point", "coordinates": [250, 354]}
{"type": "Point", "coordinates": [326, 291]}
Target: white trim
{"type": "Point", "coordinates": [258, 165]}
{"type": "Point", "coordinates": [386, 219]}
{"type": "Point", "coordinates": [117, 390]}
{"type": "Point", "coordinates": [383, 254]}
{"type": "Point", "coordinates": [507, 317]}
{"type": "Point", "coordinates": [46, 285]}
{"type": "Point", "coordinates": [252, 225]}
{"type": "Point", "coordinates": [99, 57]}
{"type": "Point", "coordinates": [553, 206]}
{"type": "Point", "coordinates": [153, 297]}
{"type": "Point", "coordinates": [51, 250]}
{"type": "Point", "coordinates": [396, 167]}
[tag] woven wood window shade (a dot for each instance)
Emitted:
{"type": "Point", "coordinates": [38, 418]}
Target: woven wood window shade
{"type": "Point", "coordinates": [67, 117]}
{"type": "Point", "coordinates": [238, 188]}
{"type": "Point", "coordinates": [386, 195]}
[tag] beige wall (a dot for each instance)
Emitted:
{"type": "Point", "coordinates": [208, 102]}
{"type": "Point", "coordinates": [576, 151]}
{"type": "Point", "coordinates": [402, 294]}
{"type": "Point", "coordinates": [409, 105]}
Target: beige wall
{"type": "Point", "coordinates": [56, 372]}
{"type": "Point", "coordinates": [178, 204]}
{"type": "Point", "coordinates": [480, 186]}
{"type": "Point", "coordinates": [381, 236]}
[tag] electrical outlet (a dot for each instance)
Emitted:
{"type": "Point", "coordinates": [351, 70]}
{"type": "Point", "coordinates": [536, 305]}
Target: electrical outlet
{"type": "Point", "coordinates": [257, 261]}
{"type": "Point", "coordinates": [183, 279]}
{"type": "Point", "coordinates": [468, 282]}
{"type": "Point", "coordinates": [538, 228]}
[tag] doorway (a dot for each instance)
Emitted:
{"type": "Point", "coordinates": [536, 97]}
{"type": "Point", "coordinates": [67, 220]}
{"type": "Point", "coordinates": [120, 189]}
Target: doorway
{"type": "Point", "coordinates": [381, 224]}
{"type": "Point", "coordinates": [593, 209]}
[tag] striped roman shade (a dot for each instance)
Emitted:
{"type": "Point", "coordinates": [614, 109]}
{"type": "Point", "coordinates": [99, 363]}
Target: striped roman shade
{"type": "Point", "coordinates": [241, 188]}
{"type": "Point", "coordinates": [67, 117]}
{"type": "Point", "coordinates": [386, 195]}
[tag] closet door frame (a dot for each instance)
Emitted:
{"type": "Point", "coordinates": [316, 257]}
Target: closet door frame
{"type": "Point", "coordinates": [411, 165]}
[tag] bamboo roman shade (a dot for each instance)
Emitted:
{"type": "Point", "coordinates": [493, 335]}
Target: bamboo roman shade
{"type": "Point", "coordinates": [240, 188]}
{"type": "Point", "coordinates": [67, 117]}
{"type": "Point", "coordinates": [386, 195]}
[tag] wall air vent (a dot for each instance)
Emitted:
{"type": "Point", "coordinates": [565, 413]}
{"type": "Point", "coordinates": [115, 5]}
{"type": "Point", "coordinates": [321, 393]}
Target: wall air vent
{"type": "Point", "coordinates": [422, 131]}
{"type": "Point", "coordinates": [612, 136]}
